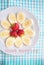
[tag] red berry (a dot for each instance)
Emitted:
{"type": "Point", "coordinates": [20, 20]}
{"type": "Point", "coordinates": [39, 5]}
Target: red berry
{"type": "Point", "coordinates": [20, 32]}
{"type": "Point", "coordinates": [13, 33]}
{"type": "Point", "coordinates": [15, 27]}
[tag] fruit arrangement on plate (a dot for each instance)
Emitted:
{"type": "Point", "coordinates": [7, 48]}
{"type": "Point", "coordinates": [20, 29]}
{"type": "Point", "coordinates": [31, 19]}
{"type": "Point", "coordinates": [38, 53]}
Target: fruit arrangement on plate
{"type": "Point", "coordinates": [17, 30]}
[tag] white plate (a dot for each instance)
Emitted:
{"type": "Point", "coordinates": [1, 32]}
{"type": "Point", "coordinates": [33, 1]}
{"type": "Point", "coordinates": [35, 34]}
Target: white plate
{"type": "Point", "coordinates": [22, 50]}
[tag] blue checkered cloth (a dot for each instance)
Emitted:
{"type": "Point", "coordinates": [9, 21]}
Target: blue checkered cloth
{"type": "Point", "coordinates": [36, 56]}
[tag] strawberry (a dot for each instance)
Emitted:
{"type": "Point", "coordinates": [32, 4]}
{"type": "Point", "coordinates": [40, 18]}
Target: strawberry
{"type": "Point", "coordinates": [15, 27]}
{"type": "Point", "coordinates": [13, 33]}
{"type": "Point", "coordinates": [20, 32]}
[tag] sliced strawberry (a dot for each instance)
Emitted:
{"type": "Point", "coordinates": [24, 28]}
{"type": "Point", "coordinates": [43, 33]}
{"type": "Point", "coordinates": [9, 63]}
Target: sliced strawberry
{"type": "Point", "coordinates": [20, 32]}
{"type": "Point", "coordinates": [13, 33]}
{"type": "Point", "coordinates": [15, 27]}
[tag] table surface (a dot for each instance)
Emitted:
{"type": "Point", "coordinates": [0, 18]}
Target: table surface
{"type": "Point", "coordinates": [36, 56]}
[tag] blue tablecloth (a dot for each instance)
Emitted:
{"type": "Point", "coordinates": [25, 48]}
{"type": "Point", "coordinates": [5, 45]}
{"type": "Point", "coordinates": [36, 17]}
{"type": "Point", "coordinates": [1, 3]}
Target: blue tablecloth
{"type": "Point", "coordinates": [36, 56]}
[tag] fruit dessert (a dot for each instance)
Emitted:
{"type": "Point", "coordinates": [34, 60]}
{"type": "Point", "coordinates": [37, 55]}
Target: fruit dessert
{"type": "Point", "coordinates": [17, 30]}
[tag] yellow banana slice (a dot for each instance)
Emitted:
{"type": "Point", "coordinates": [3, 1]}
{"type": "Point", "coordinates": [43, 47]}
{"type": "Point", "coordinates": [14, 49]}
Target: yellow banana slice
{"type": "Point", "coordinates": [26, 40]}
{"type": "Point", "coordinates": [10, 41]}
{"type": "Point", "coordinates": [27, 23]}
{"type": "Point", "coordinates": [20, 17]}
{"type": "Point", "coordinates": [29, 32]}
{"type": "Point", "coordinates": [18, 42]}
{"type": "Point", "coordinates": [4, 33]}
{"type": "Point", "coordinates": [5, 24]}
{"type": "Point", "coordinates": [12, 18]}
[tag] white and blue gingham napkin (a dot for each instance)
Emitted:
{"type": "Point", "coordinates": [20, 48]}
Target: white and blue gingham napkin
{"type": "Point", "coordinates": [36, 56]}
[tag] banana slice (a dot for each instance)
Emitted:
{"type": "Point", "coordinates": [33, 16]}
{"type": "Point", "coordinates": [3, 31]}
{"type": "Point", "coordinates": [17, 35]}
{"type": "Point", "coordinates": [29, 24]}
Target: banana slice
{"type": "Point", "coordinates": [20, 17]}
{"type": "Point", "coordinates": [4, 33]}
{"type": "Point", "coordinates": [18, 42]}
{"type": "Point", "coordinates": [29, 32]}
{"type": "Point", "coordinates": [10, 41]}
{"type": "Point", "coordinates": [27, 23]}
{"type": "Point", "coordinates": [12, 18]}
{"type": "Point", "coordinates": [26, 40]}
{"type": "Point", "coordinates": [5, 24]}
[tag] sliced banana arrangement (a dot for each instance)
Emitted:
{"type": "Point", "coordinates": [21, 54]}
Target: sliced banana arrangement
{"type": "Point", "coordinates": [4, 34]}
{"type": "Point", "coordinates": [12, 18]}
{"type": "Point", "coordinates": [10, 41]}
{"type": "Point", "coordinates": [29, 32]}
{"type": "Point", "coordinates": [20, 17]}
{"type": "Point", "coordinates": [5, 24]}
{"type": "Point", "coordinates": [16, 36]}
{"type": "Point", "coordinates": [27, 23]}
{"type": "Point", "coordinates": [18, 42]}
{"type": "Point", "coordinates": [26, 40]}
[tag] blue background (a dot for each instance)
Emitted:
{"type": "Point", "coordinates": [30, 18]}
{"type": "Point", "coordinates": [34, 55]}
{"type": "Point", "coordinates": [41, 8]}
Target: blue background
{"type": "Point", "coordinates": [36, 56]}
